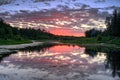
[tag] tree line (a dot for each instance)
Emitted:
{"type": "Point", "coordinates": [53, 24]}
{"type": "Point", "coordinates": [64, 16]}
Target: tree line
{"type": "Point", "coordinates": [113, 27]}
{"type": "Point", "coordinates": [9, 32]}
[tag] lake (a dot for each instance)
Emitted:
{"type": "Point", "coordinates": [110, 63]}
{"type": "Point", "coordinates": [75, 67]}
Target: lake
{"type": "Point", "coordinates": [61, 62]}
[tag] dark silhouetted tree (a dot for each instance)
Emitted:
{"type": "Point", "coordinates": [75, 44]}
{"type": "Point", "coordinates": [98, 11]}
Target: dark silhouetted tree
{"type": "Point", "coordinates": [9, 32]}
{"type": "Point", "coordinates": [113, 24]}
{"type": "Point", "coordinates": [92, 33]}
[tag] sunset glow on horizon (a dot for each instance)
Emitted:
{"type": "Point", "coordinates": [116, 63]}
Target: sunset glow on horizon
{"type": "Point", "coordinates": [66, 32]}
{"type": "Point", "coordinates": [59, 39]}
{"type": "Point", "coordinates": [58, 17]}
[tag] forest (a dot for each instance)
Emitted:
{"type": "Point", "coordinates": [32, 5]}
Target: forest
{"type": "Point", "coordinates": [9, 32]}
{"type": "Point", "coordinates": [113, 26]}
{"type": "Point", "coordinates": [110, 35]}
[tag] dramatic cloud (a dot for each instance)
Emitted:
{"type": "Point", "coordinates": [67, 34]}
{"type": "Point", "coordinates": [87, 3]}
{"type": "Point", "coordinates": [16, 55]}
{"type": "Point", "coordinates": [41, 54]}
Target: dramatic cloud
{"type": "Point", "coordinates": [74, 15]}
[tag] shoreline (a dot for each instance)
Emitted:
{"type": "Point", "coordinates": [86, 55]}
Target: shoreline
{"type": "Point", "coordinates": [101, 44]}
{"type": "Point", "coordinates": [12, 48]}
{"type": "Point", "coordinates": [20, 46]}
{"type": "Point", "coordinates": [96, 45]}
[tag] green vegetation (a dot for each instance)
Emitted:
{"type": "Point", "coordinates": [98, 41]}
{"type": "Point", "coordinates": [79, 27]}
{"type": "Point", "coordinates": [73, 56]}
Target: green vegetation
{"type": "Point", "coordinates": [113, 27]}
{"type": "Point", "coordinates": [9, 32]}
{"type": "Point", "coordinates": [81, 40]}
{"type": "Point", "coordinates": [110, 36]}
{"type": "Point", "coordinates": [95, 40]}
{"type": "Point", "coordinates": [112, 57]}
{"type": "Point", "coordinates": [13, 35]}
{"type": "Point", "coordinates": [113, 23]}
{"type": "Point", "coordinates": [92, 33]}
{"type": "Point", "coordinates": [12, 42]}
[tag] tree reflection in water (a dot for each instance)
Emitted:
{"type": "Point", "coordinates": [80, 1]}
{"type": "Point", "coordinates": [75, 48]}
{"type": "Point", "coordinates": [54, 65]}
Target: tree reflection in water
{"type": "Point", "coordinates": [112, 58]}
{"type": "Point", "coordinates": [27, 49]}
{"type": "Point", "coordinates": [113, 62]}
{"type": "Point", "coordinates": [3, 55]}
{"type": "Point", "coordinates": [112, 55]}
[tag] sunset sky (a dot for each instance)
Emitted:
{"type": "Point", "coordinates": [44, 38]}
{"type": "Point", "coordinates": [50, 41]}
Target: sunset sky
{"type": "Point", "coordinates": [59, 17]}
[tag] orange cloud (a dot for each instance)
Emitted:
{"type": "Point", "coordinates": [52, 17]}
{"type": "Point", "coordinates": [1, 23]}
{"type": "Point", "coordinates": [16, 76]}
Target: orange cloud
{"type": "Point", "coordinates": [66, 32]}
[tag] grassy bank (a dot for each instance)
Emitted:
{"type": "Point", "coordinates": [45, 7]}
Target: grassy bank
{"type": "Point", "coordinates": [78, 41]}
{"type": "Point", "coordinates": [12, 42]}
{"type": "Point", "coordinates": [95, 40]}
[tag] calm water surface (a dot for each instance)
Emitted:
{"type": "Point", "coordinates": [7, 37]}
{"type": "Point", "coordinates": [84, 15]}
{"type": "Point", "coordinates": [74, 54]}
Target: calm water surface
{"type": "Point", "coordinates": [60, 62]}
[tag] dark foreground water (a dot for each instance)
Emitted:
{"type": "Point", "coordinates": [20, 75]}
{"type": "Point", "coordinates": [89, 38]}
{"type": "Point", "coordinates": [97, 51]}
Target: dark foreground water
{"type": "Point", "coordinates": [61, 62]}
